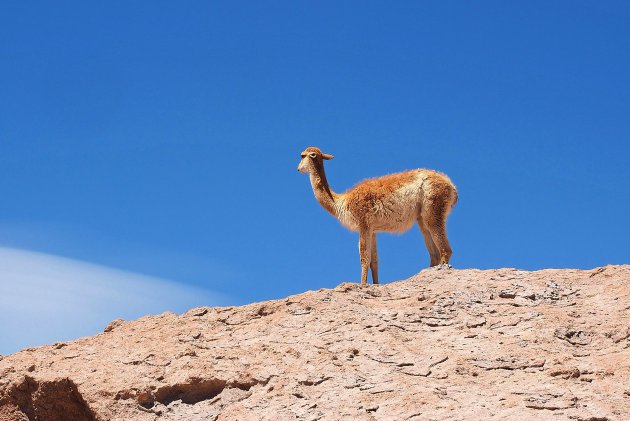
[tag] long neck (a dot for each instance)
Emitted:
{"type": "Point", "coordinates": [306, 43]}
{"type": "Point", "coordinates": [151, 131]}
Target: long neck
{"type": "Point", "coordinates": [323, 193]}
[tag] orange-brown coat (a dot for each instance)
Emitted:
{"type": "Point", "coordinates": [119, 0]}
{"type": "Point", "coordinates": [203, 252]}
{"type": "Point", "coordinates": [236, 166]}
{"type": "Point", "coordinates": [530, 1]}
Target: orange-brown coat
{"type": "Point", "coordinates": [392, 203]}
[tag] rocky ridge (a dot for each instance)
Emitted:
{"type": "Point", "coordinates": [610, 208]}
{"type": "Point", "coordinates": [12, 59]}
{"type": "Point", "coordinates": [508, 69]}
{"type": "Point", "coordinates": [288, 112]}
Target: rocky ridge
{"type": "Point", "coordinates": [444, 344]}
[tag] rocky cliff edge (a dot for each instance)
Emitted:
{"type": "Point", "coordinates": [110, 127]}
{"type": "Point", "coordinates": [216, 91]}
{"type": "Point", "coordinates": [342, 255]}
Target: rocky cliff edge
{"type": "Point", "coordinates": [444, 344]}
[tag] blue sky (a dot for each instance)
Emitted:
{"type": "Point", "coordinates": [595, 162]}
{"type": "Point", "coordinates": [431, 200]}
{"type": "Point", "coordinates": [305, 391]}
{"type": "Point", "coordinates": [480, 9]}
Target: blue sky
{"type": "Point", "coordinates": [158, 142]}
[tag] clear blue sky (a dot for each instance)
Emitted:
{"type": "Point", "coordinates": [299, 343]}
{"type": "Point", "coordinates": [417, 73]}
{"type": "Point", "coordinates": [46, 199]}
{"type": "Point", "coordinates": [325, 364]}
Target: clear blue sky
{"type": "Point", "coordinates": [162, 138]}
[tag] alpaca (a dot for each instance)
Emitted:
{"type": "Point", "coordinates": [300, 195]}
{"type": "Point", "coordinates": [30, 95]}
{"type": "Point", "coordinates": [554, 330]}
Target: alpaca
{"type": "Point", "coordinates": [392, 203]}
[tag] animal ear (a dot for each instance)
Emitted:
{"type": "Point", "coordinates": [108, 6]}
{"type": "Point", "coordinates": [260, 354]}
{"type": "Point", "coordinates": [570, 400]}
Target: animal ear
{"type": "Point", "coordinates": [326, 156]}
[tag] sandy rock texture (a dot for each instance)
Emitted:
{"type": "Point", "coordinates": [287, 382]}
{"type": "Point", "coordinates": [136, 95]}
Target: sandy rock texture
{"type": "Point", "coordinates": [445, 344]}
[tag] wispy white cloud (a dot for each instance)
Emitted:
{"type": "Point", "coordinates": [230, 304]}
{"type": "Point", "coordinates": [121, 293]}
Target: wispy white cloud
{"type": "Point", "coordinates": [46, 298]}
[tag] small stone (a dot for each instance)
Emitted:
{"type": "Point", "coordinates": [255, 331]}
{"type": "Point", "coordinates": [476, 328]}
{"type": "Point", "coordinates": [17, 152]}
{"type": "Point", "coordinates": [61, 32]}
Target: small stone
{"type": "Point", "coordinates": [113, 325]}
{"type": "Point", "coordinates": [197, 312]}
{"type": "Point", "coordinates": [507, 294]}
{"type": "Point", "coordinates": [573, 336]}
{"type": "Point", "coordinates": [476, 322]}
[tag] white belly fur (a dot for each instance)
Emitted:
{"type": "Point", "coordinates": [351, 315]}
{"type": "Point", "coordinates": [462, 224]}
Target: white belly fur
{"type": "Point", "coordinates": [398, 212]}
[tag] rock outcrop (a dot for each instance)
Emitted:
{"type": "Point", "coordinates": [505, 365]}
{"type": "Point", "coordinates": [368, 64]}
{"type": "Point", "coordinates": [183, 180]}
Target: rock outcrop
{"type": "Point", "coordinates": [444, 344]}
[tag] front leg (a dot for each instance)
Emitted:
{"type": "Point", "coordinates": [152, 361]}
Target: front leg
{"type": "Point", "coordinates": [374, 260]}
{"type": "Point", "coordinates": [365, 246]}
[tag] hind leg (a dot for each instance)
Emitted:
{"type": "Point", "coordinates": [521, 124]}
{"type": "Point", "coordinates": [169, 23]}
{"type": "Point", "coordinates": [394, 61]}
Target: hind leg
{"type": "Point", "coordinates": [438, 233]}
{"type": "Point", "coordinates": [434, 218]}
{"type": "Point", "coordinates": [428, 241]}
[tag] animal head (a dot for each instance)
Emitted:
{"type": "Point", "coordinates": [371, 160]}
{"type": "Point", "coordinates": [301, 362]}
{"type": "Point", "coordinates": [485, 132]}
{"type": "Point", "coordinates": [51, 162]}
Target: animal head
{"type": "Point", "coordinates": [311, 157]}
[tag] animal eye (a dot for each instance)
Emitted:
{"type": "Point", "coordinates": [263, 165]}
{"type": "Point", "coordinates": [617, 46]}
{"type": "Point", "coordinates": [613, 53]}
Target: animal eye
{"type": "Point", "coordinates": [312, 155]}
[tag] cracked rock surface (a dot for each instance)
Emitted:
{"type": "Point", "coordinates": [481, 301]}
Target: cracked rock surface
{"type": "Point", "coordinates": [444, 344]}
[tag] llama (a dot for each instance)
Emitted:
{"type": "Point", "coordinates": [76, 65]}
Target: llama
{"type": "Point", "coordinates": [392, 203]}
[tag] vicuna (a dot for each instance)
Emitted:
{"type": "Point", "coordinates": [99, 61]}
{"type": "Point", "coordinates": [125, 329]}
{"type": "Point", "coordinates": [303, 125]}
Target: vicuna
{"type": "Point", "coordinates": [392, 203]}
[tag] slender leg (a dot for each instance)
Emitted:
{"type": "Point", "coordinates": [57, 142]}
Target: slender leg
{"type": "Point", "coordinates": [434, 218]}
{"type": "Point", "coordinates": [365, 244]}
{"type": "Point", "coordinates": [374, 260]}
{"type": "Point", "coordinates": [428, 241]}
{"type": "Point", "coordinates": [438, 233]}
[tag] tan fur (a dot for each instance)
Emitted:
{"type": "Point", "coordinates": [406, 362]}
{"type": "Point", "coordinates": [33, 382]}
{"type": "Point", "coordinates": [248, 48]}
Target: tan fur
{"type": "Point", "coordinates": [392, 203]}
